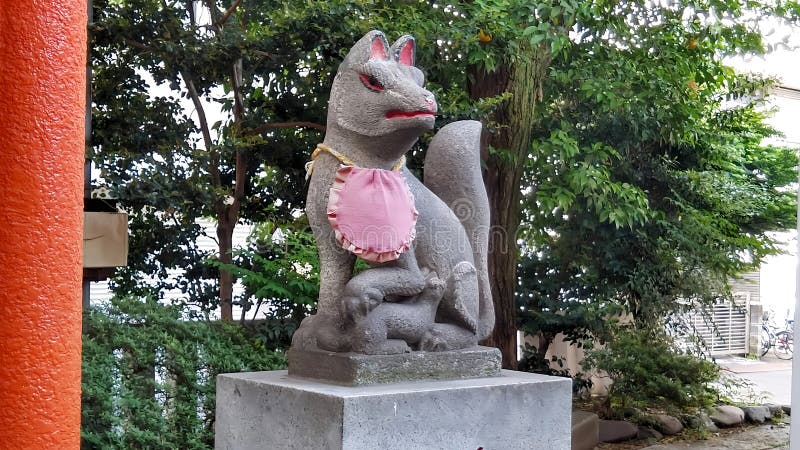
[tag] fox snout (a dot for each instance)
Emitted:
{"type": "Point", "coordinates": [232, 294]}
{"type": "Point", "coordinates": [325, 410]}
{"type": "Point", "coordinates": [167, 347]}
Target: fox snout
{"type": "Point", "coordinates": [431, 103]}
{"type": "Point", "coordinates": [410, 101]}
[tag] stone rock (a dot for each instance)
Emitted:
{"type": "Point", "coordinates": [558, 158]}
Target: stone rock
{"type": "Point", "coordinates": [727, 416]}
{"type": "Point", "coordinates": [775, 409]}
{"type": "Point", "coordinates": [649, 434]}
{"type": "Point", "coordinates": [617, 431]}
{"type": "Point", "coordinates": [585, 430]}
{"type": "Point", "coordinates": [667, 424]}
{"type": "Point", "coordinates": [787, 409]}
{"type": "Point", "coordinates": [756, 414]}
{"type": "Point", "coordinates": [705, 422]}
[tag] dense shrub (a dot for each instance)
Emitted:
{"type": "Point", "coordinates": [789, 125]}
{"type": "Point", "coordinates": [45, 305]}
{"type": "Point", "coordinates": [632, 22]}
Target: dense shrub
{"type": "Point", "coordinates": [647, 370]}
{"type": "Point", "coordinates": [149, 376]}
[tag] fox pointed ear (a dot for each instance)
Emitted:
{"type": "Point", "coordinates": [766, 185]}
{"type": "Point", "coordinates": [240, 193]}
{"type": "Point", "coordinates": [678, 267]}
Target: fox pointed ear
{"type": "Point", "coordinates": [379, 47]}
{"type": "Point", "coordinates": [404, 50]}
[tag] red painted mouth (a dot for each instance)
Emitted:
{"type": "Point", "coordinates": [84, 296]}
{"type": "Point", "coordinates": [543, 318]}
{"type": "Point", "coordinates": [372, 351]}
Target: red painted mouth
{"type": "Point", "coordinates": [407, 114]}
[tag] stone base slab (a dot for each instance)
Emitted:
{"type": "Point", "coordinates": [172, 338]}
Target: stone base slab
{"type": "Point", "coordinates": [354, 369]}
{"type": "Point", "coordinates": [271, 410]}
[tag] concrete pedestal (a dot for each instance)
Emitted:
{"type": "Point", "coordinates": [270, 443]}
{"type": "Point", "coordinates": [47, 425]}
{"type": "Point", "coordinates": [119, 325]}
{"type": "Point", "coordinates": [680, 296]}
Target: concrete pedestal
{"type": "Point", "coordinates": [516, 410]}
{"type": "Point", "coordinates": [353, 369]}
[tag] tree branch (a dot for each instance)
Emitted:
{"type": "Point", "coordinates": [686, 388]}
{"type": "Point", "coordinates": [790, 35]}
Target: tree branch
{"type": "Point", "coordinates": [236, 84]}
{"type": "Point", "coordinates": [241, 154]}
{"type": "Point", "coordinates": [262, 54]}
{"type": "Point", "coordinates": [204, 129]}
{"type": "Point", "coordinates": [227, 14]}
{"type": "Point", "coordinates": [192, 18]}
{"type": "Point", "coordinates": [271, 126]}
{"type": "Point", "coordinates": [137, 44]}
{"type": "Point", "coordinates": [240, 178]}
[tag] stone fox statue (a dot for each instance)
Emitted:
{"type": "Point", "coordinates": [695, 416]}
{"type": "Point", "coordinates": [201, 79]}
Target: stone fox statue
{"type": "Point", "coordinates": [429, 290]}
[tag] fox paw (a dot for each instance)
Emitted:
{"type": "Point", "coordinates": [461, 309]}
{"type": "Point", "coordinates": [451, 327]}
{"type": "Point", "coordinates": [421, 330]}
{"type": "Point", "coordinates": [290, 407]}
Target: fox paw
{"type": "Point", "coordinates": [355, 308]}
{"type": "Point", "coordinates": [434, 285]}
{"type": "Point", "coordinates": [433, 341]}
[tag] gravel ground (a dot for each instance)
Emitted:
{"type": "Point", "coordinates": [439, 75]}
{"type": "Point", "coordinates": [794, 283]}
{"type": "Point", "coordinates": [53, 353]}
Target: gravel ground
{"type": "Point", "coordinates": [754, 438]}
{"type": "Point", "coordinates": [771, 379]}
{"type": "Point", "coordinates": [761, 437]}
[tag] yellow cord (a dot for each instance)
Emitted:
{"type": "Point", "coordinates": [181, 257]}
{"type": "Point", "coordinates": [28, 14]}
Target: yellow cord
{"type": "Point", "coordinates": [342, 159]}
{"type": "Point", "coordinates": [399, 164]}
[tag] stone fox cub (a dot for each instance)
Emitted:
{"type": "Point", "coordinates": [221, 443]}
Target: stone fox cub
{"type": "Point", "coordinates": [434, 294]}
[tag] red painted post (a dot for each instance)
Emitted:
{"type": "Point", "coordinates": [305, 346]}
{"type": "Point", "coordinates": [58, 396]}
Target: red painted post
{"type": "Point", "coordinates": [42, 95]}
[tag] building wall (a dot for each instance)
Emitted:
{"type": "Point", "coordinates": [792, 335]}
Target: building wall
{"type": "Point", "coordinates": [99, 291]}
{"type": "Point", "coordinates": [748, 289]}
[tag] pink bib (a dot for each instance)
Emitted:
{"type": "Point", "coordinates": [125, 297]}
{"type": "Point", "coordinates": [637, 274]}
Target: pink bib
{"type": "Point", "coordinates": [372, 212]}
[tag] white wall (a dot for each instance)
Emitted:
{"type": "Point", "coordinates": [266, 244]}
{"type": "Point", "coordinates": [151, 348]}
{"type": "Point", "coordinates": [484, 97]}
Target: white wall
{"type": "Point", "coordinates": [99, 291]}
{"type": "Point", "coordinates": [778, 272]}
{"type": "Point", "coordinates": [778, 280]}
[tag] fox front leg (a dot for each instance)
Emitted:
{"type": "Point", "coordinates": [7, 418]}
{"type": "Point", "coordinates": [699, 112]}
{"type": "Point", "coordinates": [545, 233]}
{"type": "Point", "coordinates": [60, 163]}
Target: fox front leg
{"type": "Point", "coordinates": [365, 291]}
{"type": "Point", "coordinates": [325, 330]}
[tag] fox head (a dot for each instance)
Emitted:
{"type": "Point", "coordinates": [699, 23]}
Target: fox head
{"type": "Point", "coordinates": [378, 90]}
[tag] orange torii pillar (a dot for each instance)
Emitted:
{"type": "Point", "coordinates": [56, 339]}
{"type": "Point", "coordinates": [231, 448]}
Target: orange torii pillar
{"type": "Point", "coordinates": [42, 110]}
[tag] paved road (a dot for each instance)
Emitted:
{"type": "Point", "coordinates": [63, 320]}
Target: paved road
{"type": "Point", "coordinates": [771, 377]}
{"type": "Point", "coordinates": [777, 385]}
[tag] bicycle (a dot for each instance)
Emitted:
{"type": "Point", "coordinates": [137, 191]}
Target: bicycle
{"type": "Point", "coordinates": [781, 343]}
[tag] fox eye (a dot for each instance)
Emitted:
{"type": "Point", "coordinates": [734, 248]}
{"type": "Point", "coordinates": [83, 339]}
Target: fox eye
{"type": "Point", "coordinates": [371, 82]}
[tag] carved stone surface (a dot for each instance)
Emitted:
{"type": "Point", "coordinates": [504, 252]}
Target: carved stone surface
{"type": "Point", "coordinates": [513, 411]}
{"type": "Point", "coordinates": [436, 295]}
{"type": "Point", "coordinates": [353, 369]}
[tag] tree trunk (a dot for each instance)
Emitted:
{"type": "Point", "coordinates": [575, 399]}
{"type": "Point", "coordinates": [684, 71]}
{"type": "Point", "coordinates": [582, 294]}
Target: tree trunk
{"type": "Point", "coordinates": [230, 214]}
{"type": "Point", "coordinates": [225, 238]}
{"type": "Point", "coordinates": [504, 151]}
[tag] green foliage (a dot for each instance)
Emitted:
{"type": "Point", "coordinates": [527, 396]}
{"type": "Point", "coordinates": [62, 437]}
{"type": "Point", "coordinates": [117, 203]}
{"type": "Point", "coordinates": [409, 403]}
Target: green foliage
{"type": "Point", "coordinates": [535, 361]}
{"type": "Point", "coordinates": [648, 371]}
{"type": "Point", "coordinates": [281, 280]}
{"type": "Point", "coordinates": [646, 184]}
{"type": "Point", "coordinates": [651, 188]}
{"type": "Point", "coordinates": [149, 375]}
{"type": "Point", "coordinates": [167, 167]}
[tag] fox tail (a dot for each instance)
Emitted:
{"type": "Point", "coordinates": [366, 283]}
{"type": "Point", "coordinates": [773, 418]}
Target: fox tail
{"type": "Point", "coordinates": [453, 173]}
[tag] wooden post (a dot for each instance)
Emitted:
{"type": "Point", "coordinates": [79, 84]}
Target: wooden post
{"type": "Point", "coordinates": [42, 110]}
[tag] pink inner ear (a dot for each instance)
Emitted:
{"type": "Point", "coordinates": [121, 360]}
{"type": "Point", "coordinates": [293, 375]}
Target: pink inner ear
{"type": "Point", "coordinates": [378, 50]}
{"type": "Point", "coordinates": [407, 54]}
